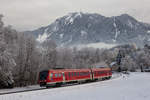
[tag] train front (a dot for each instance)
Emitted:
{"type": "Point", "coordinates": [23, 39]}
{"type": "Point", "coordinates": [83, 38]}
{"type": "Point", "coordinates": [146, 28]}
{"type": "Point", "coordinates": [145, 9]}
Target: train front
{"type": "Point", "coordinates": [43, 78]}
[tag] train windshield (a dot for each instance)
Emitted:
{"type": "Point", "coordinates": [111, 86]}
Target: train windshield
{"type": "Point", "coordinates": [43, 75]}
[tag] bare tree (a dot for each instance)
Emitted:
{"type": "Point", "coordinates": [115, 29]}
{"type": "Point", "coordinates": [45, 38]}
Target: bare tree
{"type": "Point", "coordinates": [49, 55]}
{"type": "Point", "coordinates": [6, 59]}
{"type": "Point", "coordinates": [128, 64]}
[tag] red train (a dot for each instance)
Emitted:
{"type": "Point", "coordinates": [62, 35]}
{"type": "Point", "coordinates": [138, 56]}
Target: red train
{"type": "Point", "coordinates": [57, 77]}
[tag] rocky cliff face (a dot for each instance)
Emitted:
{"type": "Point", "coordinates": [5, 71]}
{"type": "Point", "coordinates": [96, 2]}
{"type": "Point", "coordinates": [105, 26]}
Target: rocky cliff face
{"type": "Point", "coordinates": [84, 28]}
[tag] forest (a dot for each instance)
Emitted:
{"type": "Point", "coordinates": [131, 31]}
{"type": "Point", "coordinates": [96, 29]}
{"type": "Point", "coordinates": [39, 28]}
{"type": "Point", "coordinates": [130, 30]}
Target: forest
{"type": "Point", "coordinates": [22, 57]}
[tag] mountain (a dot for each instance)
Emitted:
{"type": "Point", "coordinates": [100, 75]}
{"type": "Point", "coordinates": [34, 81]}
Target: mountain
{"type": "Point", "coordinates": [84, 28]}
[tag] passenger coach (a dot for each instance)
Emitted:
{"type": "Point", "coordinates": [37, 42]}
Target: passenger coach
{"type": "Point", "coordinates": [57, 77]}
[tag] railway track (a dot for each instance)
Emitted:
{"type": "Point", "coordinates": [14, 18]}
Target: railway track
{"type": "Point", "coordinates": [20, 91]}
{"type": "Point", "coordinates": [38, 89]}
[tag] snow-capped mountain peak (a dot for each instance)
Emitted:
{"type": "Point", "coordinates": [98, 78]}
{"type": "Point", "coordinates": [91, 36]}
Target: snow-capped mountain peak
{"type": "Point", "coordinates": [84, 28]}
{"type": "Point", "coordinates": [69, 19]}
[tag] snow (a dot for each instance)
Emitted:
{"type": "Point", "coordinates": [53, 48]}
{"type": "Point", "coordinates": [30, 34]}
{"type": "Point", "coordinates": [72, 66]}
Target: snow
{"type": "Point", "coordinates": [99, 45]}
{"type": "Point", "coordinates": [116, 35]}
{"type": "Point", "coordinates": [141, 37]}
{"type": "Point", "coordinates": [61, 36]}
{"type": "Point", "coordinates": [55, 28]}
{"type": "Point", "coordinates": [20, 89]}
{"type": "Point", "coordinates": [127, 87]}
{"type": "Point", "coordinates": [70, 40]}
{"type": "Point", "coordinates": [130, 24]}
{"type": "Point", "coordinates": [83, 33]}
{"type": "Point", "coordinates": [148, 31]}
{"type": "Point", "coordinates": [43, 37]}
{"type": "Point", "coordinates": [91, 17]}
{"type": "Point", "coordinates": [70, 18]}
{"type": "Point", "coordinates": [116, 30]}
{"type": "Point", "coordinates": [113, 40]}
{"type": "Point", "coordinates": [67, 42]}
{"type": "Point", "coordinates": [78, 14]}
{"type": "Point", "coordinates": [114, 24]}
{"type": "Point", "coordinates": [148, 40]}
{"type": "Point", "coordinates": [113, 63]}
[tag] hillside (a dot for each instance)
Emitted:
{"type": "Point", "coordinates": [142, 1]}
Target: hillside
{"type": "Point", "coordinates": [84, 28]}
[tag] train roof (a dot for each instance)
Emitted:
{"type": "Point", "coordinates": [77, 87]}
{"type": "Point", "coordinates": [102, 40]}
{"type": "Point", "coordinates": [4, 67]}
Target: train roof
{"type": "Point", "coordinates": [69, 70]}
{"type": "Point", "coordinates": [102, 68]}
{"type": "Point", "coordinates": [84, 69]}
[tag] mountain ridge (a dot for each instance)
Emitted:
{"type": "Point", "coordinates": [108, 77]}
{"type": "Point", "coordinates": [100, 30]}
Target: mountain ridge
{"type": "Point", "coordinates": [83, 28]}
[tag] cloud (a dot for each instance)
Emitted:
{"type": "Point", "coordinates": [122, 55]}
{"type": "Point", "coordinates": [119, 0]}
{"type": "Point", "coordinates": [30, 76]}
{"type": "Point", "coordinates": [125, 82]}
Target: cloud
{"type": "Point", "coordinates": [31, 14]}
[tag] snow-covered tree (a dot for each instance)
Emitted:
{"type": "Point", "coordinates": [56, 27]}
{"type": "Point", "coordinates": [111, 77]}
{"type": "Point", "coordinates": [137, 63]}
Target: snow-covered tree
{"type": "Point", "coordinates": [128, 64]}
{"type": "Point", "coordinates": [7, 61]}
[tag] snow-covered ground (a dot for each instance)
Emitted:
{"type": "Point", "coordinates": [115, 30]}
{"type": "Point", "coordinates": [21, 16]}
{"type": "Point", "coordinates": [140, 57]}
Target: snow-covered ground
{"type": "Point", "coordinates": [20, 89]}
{"type": "Point", "coordinates": [34, 87]}
{"type": "Point", "coordinates": [135, 86]}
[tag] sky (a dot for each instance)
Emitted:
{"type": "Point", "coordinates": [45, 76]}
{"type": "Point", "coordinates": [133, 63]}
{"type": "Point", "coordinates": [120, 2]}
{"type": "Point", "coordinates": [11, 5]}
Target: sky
{"type": "Point", "coordinates": [31, 14]}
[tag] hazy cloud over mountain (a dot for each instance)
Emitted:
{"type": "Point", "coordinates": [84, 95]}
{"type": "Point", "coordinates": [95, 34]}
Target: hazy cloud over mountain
{"type": "Point", "coordinates": [30, 14]}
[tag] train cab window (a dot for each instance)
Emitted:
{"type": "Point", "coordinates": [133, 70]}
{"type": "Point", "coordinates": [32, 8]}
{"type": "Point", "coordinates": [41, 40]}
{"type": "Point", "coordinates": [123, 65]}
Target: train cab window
{"type": "Point", "coordinates": [72, 73]}
{"type": "Point", "coordinates": [43, 75]}
{"type": "Point", "coordinates": [51, 75]}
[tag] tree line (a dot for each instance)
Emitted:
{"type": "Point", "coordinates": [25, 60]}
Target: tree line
{"type": "Point", "coordinates": [22, 57]}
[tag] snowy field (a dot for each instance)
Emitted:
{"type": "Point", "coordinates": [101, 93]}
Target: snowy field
{"type": "Point", "coordinates": [135, 86]}
{"type": "Point", "coordinates": [20, 89]}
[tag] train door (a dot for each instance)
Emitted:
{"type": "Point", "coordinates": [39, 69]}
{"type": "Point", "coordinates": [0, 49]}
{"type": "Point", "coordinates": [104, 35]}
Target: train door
{"type": "Point", "coordinates": [63, 77]}
{"type": "Point", "coordinates": [92, 74]}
